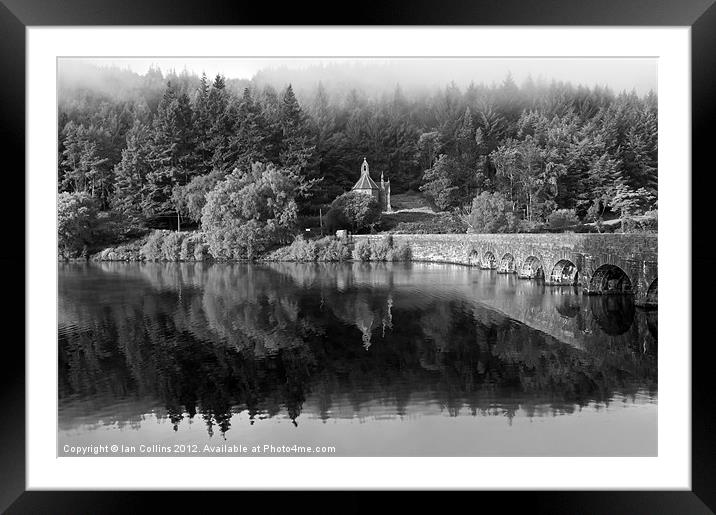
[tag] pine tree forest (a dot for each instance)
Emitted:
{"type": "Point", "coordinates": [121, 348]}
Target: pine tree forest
{"type": "Point", "coordinates": [150, 153]}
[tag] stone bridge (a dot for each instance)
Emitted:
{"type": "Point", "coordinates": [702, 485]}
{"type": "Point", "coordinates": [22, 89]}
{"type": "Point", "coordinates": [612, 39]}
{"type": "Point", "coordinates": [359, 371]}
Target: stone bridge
{"type": "Point", "coordinates": [600, 264]}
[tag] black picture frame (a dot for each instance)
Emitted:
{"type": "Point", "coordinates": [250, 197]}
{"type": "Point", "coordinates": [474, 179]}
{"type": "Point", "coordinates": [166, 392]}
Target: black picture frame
{"type": "Point", "coordinates": [700, 15]}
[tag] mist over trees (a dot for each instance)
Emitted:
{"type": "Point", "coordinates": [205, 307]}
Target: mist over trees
{"type": "Point", "coordinates": [152, 147]}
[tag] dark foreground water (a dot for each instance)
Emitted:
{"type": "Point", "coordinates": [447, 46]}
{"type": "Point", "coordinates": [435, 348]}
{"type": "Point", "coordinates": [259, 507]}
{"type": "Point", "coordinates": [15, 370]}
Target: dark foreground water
{"type": "Point", "coordinates": [353, 359]}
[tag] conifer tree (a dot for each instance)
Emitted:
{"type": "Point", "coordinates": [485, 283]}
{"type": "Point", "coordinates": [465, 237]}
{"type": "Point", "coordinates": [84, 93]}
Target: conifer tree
{"type": "Point", "coordinates": [297, 146]}
{"type": "Point", "coordinates": [172, 158]}
{"type": "Point", "coordinates": [131, 173]}
{"type": "Point", "coordinates": [202, 124]}
{"type": "Point", "coordinates": [83, 166]}
{"type": "Point", "coordinates": [246, 143]}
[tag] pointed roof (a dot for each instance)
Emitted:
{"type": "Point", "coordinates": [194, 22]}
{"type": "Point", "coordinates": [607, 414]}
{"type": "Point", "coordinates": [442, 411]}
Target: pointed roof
{"type": "Point", "coordinates": [365, 182]}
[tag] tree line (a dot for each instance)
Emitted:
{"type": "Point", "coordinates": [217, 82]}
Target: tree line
{"type": "Point", "coordinates": [153, 155]}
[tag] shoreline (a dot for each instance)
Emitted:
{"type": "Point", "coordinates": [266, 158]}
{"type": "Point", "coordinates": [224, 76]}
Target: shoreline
{"type": "Point", "coordinates": [131, 251]}
{"type": "Point", "coordinates": [601, 264]}
{"type": "Point", "coordinates": [638, 302]}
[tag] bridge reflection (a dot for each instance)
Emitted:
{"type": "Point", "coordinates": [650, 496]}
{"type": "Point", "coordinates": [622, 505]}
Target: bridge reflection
{"type": "Point", "coordinates": [559, 311]}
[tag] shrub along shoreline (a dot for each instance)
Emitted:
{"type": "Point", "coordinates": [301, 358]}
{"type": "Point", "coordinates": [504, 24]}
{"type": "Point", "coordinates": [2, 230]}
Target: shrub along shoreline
{"type": "Point", "coordinates": [332, 249]}
{"type": "Point", "coordinates": [160, 245]}
{"type": "Point", "coordinates": [191, 246]}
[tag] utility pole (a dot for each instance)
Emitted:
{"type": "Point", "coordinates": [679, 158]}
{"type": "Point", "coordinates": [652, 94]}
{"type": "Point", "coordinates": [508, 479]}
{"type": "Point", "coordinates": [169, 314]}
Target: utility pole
{"type": "Point", "coordinates": [320, 219]}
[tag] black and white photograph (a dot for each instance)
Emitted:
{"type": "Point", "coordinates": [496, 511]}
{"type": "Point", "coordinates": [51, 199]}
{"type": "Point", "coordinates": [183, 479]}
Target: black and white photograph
{"type": "Point", "coordinates": [271, 252]}
{"type": "Point", "coordinates": [357, 256]}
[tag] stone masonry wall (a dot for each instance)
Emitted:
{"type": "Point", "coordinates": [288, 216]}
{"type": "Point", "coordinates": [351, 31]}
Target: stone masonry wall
{"type": "Point", "coordinates": [546, 254]}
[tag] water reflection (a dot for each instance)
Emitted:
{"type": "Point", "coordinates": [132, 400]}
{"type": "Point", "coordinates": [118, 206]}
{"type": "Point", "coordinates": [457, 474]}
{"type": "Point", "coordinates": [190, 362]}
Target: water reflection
{"type": "Point", "coordinates": [334, 341]}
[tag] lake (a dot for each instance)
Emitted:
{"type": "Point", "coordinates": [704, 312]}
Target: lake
{"type": "Point", "coordinates": [348, 359]}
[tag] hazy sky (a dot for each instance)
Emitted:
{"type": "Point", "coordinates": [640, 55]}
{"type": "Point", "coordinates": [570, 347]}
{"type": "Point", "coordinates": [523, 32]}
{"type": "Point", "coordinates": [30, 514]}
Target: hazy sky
{"type": "Point", "coordinates": [619, 74]}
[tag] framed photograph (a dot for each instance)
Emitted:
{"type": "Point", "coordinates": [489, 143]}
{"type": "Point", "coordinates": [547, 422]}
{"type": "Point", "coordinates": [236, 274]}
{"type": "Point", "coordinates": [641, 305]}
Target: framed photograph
{"type": "Point", "coordinates": [417, 252]}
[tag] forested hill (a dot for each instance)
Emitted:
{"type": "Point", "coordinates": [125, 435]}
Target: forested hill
{"type": "Point", "coordinates": [147, 146]}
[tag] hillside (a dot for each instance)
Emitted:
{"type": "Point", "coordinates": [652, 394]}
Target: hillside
{"type": "Point", "coordinates": [415, 213]}
{"type": "Point", "coordinates": [412, 201]}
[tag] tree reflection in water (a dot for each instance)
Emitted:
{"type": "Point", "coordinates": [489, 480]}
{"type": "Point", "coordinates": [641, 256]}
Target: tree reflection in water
{"type": "Point", "coordinates": [329, 339]}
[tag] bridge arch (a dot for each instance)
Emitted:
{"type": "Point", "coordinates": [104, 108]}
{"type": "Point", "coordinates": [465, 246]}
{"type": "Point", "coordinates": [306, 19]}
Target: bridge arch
{"type": "Point", "coordinates": [564, 272]}
{"type": "Point", "coordinates": [531, 268]}
{"type": "Point", "coordinates": [507, 264]}
{"type": "Point", "coordinates": [610, 280]}
{"type": "Point", "coordinates": [635, 254]}
{"type": "Point", "coordinates": [473, 258]}
{"type": "Point", "coordinates": [489, 261]}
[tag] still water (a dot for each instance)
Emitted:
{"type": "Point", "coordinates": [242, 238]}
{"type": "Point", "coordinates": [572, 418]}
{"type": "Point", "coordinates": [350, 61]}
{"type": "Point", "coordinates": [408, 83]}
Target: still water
{"type": "Point", "coordinates": [384, 359]}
